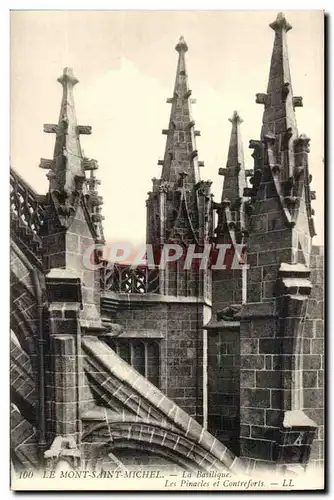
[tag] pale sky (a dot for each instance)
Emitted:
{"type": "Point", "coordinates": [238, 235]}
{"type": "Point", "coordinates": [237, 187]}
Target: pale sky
{"type": "Point", "coordinates": [125, 63]}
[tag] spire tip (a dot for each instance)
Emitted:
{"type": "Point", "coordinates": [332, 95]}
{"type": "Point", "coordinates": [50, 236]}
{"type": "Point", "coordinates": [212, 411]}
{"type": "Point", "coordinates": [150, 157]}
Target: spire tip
{"type": "Point", "coordinates": [181, 45]}
{"type": "Point", "coordinates": [68, 77]}
{"type": "Point", "coordinates": [236, 118]}
{"type": "Point", "coordinates": [280, 23]}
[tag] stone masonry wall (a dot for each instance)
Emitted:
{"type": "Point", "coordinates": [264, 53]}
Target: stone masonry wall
{"type": "Point", "coordinates": [66, 248]}
{"type": "Point", "coordinates": [181, 348]}
{"type": "Point", "coordinates": [183, 357]}
{"type": "Point", "coordinates": [314, 354]}
{"type": "Point", "coordinates": [224, 385]}
{"type": "Point", "coordinates": [260, 380]}
{"type": "Point", "coordinates": [226, 288]}
{"type": "Point", "coordinates": [142, 321]}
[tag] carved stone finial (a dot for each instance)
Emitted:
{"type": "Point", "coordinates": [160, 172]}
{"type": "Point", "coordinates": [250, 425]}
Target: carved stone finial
{"type": "Point", "coordinates": [236, 118]}
{"type": "Point", "coordinates": [297, 102]}
{"type": "Point", "coordinates": [68, 77]}
{"type": "Point", "coordinates": [302, 143]}
{"type": "Point", "coordinates": [181, 45]}
{"type": "Point", "coordinates": [261, 98]}
{"type": "Point", "coordinates": [280, 23]}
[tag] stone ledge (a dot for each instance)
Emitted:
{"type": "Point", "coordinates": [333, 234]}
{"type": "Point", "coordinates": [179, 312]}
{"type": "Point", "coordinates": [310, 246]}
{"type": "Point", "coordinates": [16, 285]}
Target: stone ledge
{"type": "Point", "coordinates": [92, 327]}
{"type": "Point", "coordinates": [57, 273]}
{"type": "Point", "coordinates": [257, 310]}
{"type": "Point", "coordinates": [297, 418]}
{"type": "Point", "coordinates": [122, 332]}
{"type": "Point", "coordinates": [297, 282]}
{"type": "Point", "coordinates": [293, 270]}
{"type": "Point", "coordinates": [222, 325]}
{"type": "Point", "coordinates": [110, 299]}
{"type": "Point", "coordinates": [141, 334]}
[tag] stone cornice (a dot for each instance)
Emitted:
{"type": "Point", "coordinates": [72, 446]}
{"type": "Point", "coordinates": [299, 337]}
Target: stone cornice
{"type": "Point", "coordinates": [112, 300]}
{"type": "Point", "coordinates": [257, 310]}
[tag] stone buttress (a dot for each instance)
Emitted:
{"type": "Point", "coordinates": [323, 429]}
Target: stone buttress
{"type": "Point", "coordinates": [274, 428]}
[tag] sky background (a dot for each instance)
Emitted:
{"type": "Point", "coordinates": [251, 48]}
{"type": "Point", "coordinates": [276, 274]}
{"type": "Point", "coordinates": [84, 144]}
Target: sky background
{"type": "Point", "coordinates": [125, 63]}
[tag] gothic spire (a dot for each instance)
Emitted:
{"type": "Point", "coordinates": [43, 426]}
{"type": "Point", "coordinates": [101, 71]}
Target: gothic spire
{"type": "Point", "coordinates": [280, 193]}
{"type": "Point", "coordinates": [235, 176]}
{"type": "Point", "coordinates": [67, 168]}
{"type": "Point", "coordinates": [279, 103]}
{"type": "Point", "coordinates": [180, 204]}
{"type": "Point", "coordinates": [231, 221]}
{"type": "Point", "coordinates": [67, 165]}
{"type": "Point", "coordinates": [181, 153]}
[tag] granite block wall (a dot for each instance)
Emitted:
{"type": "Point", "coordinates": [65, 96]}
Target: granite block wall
{"type": "Point", "coordinates": [178, 328]}
{"type": "Point", "coordinates": [260, 403]}
{"type": "Point", "coordinates": [224, 385]}
{"type": "Point", "coordinates": [226, 288]}
{"type": "Point", "coordinates": [314, 355]}
{"type": "Point", "coordinates": [66, 249]}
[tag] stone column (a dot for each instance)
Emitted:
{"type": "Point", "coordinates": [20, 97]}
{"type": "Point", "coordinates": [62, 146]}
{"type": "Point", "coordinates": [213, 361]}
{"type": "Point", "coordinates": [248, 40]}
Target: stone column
{"type": "Point", "coordinates": [64, 373]}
